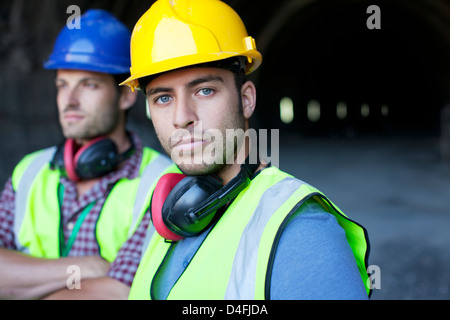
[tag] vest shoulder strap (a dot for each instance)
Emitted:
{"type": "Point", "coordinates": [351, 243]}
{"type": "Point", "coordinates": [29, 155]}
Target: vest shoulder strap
{"type": "Point", "coordinates": [23, 188]}
{"type": "Point", "coordinates": [149, 176]}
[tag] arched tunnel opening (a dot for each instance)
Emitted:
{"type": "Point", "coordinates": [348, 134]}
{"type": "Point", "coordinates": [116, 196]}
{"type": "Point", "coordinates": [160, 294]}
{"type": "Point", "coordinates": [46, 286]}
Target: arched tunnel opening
{"type": "Point", "coordinates": [326, 73]}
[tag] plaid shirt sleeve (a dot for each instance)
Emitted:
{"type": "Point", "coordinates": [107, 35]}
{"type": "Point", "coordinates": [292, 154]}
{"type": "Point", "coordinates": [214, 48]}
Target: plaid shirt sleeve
{"type": "Point", "coordinates": [124, 267]}
{"type": "Point", "coordinates": [7, 199]}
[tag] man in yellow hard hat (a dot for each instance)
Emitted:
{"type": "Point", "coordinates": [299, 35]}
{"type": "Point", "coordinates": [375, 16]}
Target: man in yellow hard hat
{"type": "Point", "coordinates": [230, 227]}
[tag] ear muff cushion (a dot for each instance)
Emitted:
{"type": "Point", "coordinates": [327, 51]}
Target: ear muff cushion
{"type": "Point", "coordinates": [165, 184]}
{"type": "Point", "coordinates": [190, 206]}
{"type": "Point", "coordinates": [86, 146]}
{"type": "Point", "coordinates": [96, 158]}
{"type": "Point", "coordinates": [69, 163]}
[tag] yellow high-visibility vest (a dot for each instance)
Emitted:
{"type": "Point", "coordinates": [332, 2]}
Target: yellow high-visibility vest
{"type": "Point", "coordinates": [235, 260]}
{"type": "Point", "coordinates": [37, 217]}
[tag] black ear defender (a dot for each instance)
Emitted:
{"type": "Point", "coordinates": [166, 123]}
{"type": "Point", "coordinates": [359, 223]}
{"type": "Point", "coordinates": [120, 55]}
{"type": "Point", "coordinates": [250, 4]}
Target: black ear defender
{"type": "Point", "coordinates": [184, 206]}
{"type": "Point", "coordinates": [92, 160]}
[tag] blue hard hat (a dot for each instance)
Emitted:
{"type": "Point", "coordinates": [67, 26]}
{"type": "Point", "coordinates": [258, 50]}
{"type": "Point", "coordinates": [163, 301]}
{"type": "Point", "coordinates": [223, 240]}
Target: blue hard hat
{"type": "Point", "coordinates": [101, 44]}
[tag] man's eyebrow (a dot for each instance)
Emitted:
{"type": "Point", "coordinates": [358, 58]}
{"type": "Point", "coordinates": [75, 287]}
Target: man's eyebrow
{"type": "Point", "coordinates": [153, 91]}
{"type": "Point", "coordinates": [198, 81]}
{"type": "Point", "coordinates": [83, 79]}
{"type": "Point", "coordinates": [193, 83]}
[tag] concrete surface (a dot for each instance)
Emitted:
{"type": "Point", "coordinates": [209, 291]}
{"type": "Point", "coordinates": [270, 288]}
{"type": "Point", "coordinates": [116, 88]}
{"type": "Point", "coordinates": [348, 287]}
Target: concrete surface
{"type": "Point", "coordinates": [399, 189]}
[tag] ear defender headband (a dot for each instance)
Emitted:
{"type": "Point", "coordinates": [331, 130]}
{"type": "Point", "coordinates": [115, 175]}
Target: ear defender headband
{"type": "Point", "coordinates": [183, 206]}
{"type": "Point", "coordinates": [92, 160]}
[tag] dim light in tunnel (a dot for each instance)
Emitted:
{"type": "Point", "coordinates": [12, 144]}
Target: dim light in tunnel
{"type": "Point", "coordinates": [286, 110]}
{"type": "Point", "coordinates": [341, 110]}
{"type": "Point", "coordinates": [365, 110]}
{"type": "Point", "coordinates": [313, 110]}
{"type": "Point", "coordinates": [384, 110]}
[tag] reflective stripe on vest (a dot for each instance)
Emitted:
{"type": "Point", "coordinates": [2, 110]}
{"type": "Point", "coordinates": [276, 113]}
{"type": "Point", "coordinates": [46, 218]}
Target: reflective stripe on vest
{"type": "Point", "coordinates": [241, 285]}
{"type": "Point", "coordinates": [235, 259]}
{"type": "Point", "coordinates": [153, 165]}
{"type": "Point", "coordinates": [23, 189]}
{"type": "Point", "coordinates": [148, 178]}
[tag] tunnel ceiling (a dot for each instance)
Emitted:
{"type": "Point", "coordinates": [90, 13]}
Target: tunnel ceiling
{"type": "Point", "coordinates": [390, 80]}
{"type": "Point", "coordinates": [322, 51]}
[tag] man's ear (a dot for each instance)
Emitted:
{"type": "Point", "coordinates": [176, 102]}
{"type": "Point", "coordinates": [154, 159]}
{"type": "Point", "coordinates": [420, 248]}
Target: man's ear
{"type": "Point", "coordinates": [248, 95]}
{"type": "Point", "coordinates": [127, 98]}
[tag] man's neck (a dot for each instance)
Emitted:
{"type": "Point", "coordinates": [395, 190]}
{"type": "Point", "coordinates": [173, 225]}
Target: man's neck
{"type": "Point", "coordinates": [230, 171]}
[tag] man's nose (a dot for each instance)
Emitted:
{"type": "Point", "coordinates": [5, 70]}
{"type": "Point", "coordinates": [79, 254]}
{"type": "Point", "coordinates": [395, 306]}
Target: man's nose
{"type": "Point", "coordinates": [71, 98]}
{"type": "Point", "coordinates": [185, 114]}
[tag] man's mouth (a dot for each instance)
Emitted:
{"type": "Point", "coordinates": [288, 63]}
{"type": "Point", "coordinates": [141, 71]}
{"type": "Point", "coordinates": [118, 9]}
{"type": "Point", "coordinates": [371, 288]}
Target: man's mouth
{"type": "Point", "coordinates": [188, 144]}
{"type": "Point", "coordinates": [73, 116]}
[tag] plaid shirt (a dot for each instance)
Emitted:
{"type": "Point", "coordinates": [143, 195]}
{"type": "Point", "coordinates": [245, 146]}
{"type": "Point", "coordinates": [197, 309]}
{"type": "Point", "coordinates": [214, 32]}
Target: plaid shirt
{"type": "Point", "coordinates": [85, 243]}
{"type": "Point", "coordinates": [130, 254]}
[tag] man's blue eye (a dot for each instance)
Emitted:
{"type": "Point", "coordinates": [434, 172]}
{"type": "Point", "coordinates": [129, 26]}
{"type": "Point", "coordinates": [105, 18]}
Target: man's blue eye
{"type": "Point", "coordinates": [206, 91]}
{"type": "Point", "coordinates": [163, 99]}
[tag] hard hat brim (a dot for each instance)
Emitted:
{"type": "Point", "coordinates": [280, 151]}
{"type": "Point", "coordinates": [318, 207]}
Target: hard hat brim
{"type": "Point", "coordinates": [254, 59]}
{"type": "Point", "coordinates": [86, 63]}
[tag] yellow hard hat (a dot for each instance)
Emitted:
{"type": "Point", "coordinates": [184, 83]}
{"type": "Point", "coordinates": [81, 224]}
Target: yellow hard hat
{"type": "Point", "coordinates": [178, 33]}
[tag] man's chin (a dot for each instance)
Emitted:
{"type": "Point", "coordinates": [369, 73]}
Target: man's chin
{"type": "Point", "coordinates": [200, 169]}
{"type": "Point", "coordinates": [72, 133]}
{"type": "Point", "coordinates": [80, 135]}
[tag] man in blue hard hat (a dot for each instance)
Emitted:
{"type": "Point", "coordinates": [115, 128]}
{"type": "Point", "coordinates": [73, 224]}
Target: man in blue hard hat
{"type": "Point", "coordinates": [66, 210]}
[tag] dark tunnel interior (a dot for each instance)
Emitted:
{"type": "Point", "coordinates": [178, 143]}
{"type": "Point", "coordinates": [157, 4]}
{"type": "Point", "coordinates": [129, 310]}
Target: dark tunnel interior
{"type": "Point", "coordinates": [364, 114]}
{"type": "Point", "coordinates": [337, 77]}
{"type": "Point", "coordinates": [324, 73]}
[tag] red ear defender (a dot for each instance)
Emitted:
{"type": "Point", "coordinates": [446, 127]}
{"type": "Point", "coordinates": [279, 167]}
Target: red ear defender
{"type": "Point", "coordinates": [162, 190]}
{"type": "Point", "coordinates": [85, 147]}
{"type": "Point", "coordinates": [69, 163]}
{"type": "Point", "coordinates": [73, 154]}
{"type": "Point", "coordinates": [185, 206]}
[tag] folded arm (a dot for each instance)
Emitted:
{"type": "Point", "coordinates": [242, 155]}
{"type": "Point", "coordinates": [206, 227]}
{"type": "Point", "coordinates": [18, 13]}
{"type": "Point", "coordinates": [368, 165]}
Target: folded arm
{"type": "Point", "coordinates": [104, 288]}
{"type": "Point", "coordinates": [26, 277]}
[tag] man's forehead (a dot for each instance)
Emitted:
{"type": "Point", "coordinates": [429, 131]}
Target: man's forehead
{"type": "Point", "coordinates": [81, 74]}
{"type": "Point", "coordinates": [186, 76]}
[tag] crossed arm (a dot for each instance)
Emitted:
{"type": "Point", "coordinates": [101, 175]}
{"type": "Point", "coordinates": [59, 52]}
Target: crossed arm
{"type": "Point", "coordinates": [103, 288]}
{"type": "Point", "coordinates": [26, 277]}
